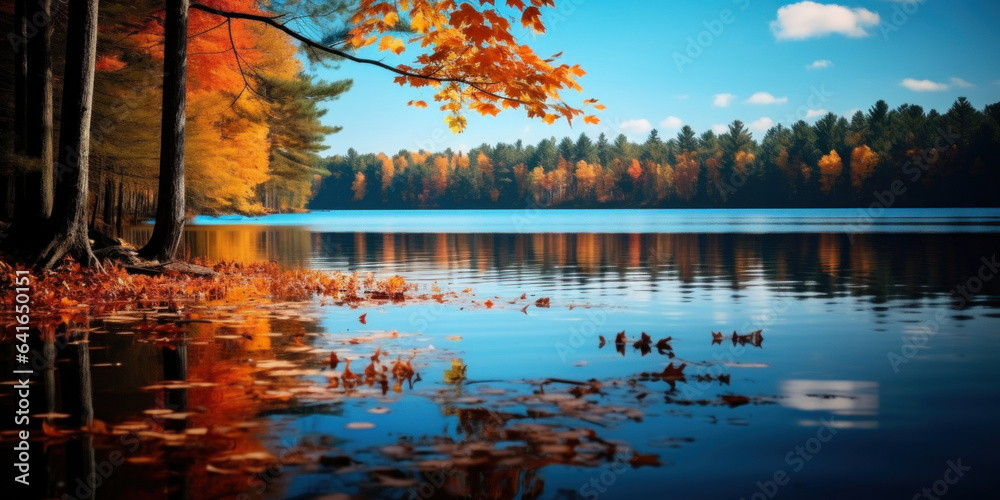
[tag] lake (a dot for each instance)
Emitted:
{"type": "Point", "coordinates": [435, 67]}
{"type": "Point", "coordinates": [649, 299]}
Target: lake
{"type": "Point", "coordinates": [871, 376]}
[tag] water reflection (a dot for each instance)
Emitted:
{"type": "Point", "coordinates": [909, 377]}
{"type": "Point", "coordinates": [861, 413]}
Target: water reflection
{"type": "Point", "coordinates": [520, 398]}
{"type": "Point", "coordinates": [877, 266]}
{"type": "Point", "coordinates": [846, 398]}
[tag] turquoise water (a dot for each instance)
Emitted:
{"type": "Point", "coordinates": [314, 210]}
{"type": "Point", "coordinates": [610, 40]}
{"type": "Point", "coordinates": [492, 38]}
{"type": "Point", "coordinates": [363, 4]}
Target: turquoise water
{"type": "Point", "coordinates": [533, 219]}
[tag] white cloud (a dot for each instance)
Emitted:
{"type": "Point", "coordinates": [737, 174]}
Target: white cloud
{"type": "Point", "coordinates": [640, 126]}
{"type": "Point", "coordinates": [719, 128]}
{"type": "Point", "coordinates": [765, 98]}
{"type": "Point", "coordinates": [996, 82]}
{"type": "Point", "coordinates": [526, 130]}
{"type": "Point", "coordinates": [803, 20]}
{"type": "Point", "coordinates": [958, 82]}
{"type": "Point", "coordinates": [923, 85]}
{"type": "Point", "coordinates": [723, 100]}
{"type": "Point", "coordinates": [683, 97]}
{"type": "Point", "coordinates": [814, 113]}
{"type": "Point", "coordinates": [820, 64]}
{"type": "Point", "coordinates": [761, 125]}
{"type": "Point", "coordinates": [851, 112]}
{"type": "Point", "coordinates": [672, 123]}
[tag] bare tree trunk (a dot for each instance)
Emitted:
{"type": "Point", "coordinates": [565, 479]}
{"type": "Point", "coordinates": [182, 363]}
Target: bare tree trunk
{"type": "Point", "coordinates": [20, 75]}
{"type": "Point", "coordinates": [119, 223]}
{"type": "Point", "coordinates": [96, 205]}
{"type": "Point", "coordinates": [9, 196]}
{"type": "Point", "coordinates": [68, 222]}
{"type": "Point", "coordinates": [38, 119]}
{"type": "Point", "coordinates": [169, 226]}
{"type": "Point", "coordinates": [13, 179]}
{"type": "Point", "coordinates": [109, 202]}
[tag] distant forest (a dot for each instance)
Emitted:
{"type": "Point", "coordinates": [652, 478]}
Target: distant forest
{"type": "Point", "coordinates": [903, 157]}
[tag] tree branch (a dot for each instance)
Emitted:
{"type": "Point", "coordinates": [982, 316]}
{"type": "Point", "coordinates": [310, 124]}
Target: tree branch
{"type": "Point", "coordinates": [316, 45]}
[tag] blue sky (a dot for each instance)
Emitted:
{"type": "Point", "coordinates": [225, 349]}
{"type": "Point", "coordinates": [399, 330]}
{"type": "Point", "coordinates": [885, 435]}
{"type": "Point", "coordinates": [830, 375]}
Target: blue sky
{"type": "Point", "coordinates": [660, 64]}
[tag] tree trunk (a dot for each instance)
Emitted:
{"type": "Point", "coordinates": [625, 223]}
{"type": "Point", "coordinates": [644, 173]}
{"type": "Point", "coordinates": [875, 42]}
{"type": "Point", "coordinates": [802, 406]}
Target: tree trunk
{"type": "Point", "coordinates": [68, 222]}
{"type": "Point", "coordinates": [20, 75]}
{"type": "Point", "coordinates": [96, 205]}
{"type": "Point", "coordinates": [12, 178]}
{"type": "Point", "coordinates": [169, 226]}
{"type": "Point", "coordinates": [107, 216]}
{"type": "Point", "coordinates": [119, 223]}
{"type": "Point", "coordinates": [38, 119]}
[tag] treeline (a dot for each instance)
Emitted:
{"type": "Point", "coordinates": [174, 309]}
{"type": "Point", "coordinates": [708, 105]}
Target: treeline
{"type": "Point", "coordinates": [253, 126]}
{"type": "Point", "coordinates": [920, 158]}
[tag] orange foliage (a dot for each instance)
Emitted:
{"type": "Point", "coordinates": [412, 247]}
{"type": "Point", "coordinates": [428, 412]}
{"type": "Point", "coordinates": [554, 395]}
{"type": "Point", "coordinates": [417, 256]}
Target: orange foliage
{"type": "Point", "coordinates": [109, 62]}
{"type": "Point", "coordinates": [485, 166]}
{"type": "Point", "coordinates": [388, 170]}
{"type": "Point", "coordinates": [742, 160]}
{"type": "Point", "coordinates": [664, 181]}
{"type": "Point", "coordinates": [228, 147]}
{"type": "Point", "coordinates": [419, 157]}
{"type": "Point", "coordinates": [71, 288]}
{"type": "Point", "coordinates": [686, 175]}
{"type": "Point", "coordinates": [586, 178]}
{"type": "Point", "coordinates": [440, 177]}
{"type": "Point", "coordinates": [713, 167]}
{"type": "Point", "coordinates": [635, 170]}
{"type": "Point", "coordinates": [359, 185]}
{"type": "Point", "coordinates": [474, 58]}
{"type": "Point", "coordinates": [830, 168]}
{"type": "Point", "coordinates": [863, 162]}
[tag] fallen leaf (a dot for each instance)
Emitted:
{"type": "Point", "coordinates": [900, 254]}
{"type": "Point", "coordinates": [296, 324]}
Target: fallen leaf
{"type": "Point", "coordinates": [360, 425]}
{"type": "Point", "coordinates": [638, 460]}
{"type": "Point", "coordinates": [51, 430]}
{"type": "Point", "coordinates": [734, 401]}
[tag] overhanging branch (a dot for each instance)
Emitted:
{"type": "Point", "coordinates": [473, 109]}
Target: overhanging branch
{"type": "Point", "coordinates": [271, 21]}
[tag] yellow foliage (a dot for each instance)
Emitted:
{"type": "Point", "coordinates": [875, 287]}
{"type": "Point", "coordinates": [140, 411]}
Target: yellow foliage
{"type": "Point", "coordinates": [830, 168]}
{"type": "Point", "coordinates": [586, 178]}
{"type": "Point", "coordinates": [358, 186]}
{"type": "Point", "coordinates": [226, 157]}
{"type": "Point", "coordinates": [686, 175]}
{"type": "Point", "coordinates": [388, 171]}
{"type": "Point", "coordinates": [863, 162]}
{"type": "Point", "coordinates": [742, 160]}
{"type": "Point", "coordinates": [485, 165]}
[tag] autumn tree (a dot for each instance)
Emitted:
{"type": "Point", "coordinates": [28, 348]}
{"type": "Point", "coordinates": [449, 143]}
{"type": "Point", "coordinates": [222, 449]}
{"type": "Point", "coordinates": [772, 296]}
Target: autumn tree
{"type": "Point", "coordinates": [388, 171]}
{"type": "Point", "coordinates": [359, 186]}
{"type": "Point", "coordinates": [470, 57]}
{"type": "Point", "coordinates": [830, 168]}
{"type": "Point", "coordinates": [863, 162]}
{"type": "Point", "coordinates": [686, 174]}
{"type": "Point", "coordinates": [68, 223]}
{"type": "Point", "coordinates": [170, 213]}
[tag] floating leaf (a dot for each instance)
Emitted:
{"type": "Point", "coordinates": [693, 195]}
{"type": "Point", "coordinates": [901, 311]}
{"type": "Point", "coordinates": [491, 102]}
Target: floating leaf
{"type": "Point", "coordinates": [360, 425]}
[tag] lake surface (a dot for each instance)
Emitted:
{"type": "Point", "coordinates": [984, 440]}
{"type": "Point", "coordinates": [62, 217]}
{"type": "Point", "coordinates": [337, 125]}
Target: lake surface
{"type": "Point", "coordinates": [872, 377]}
